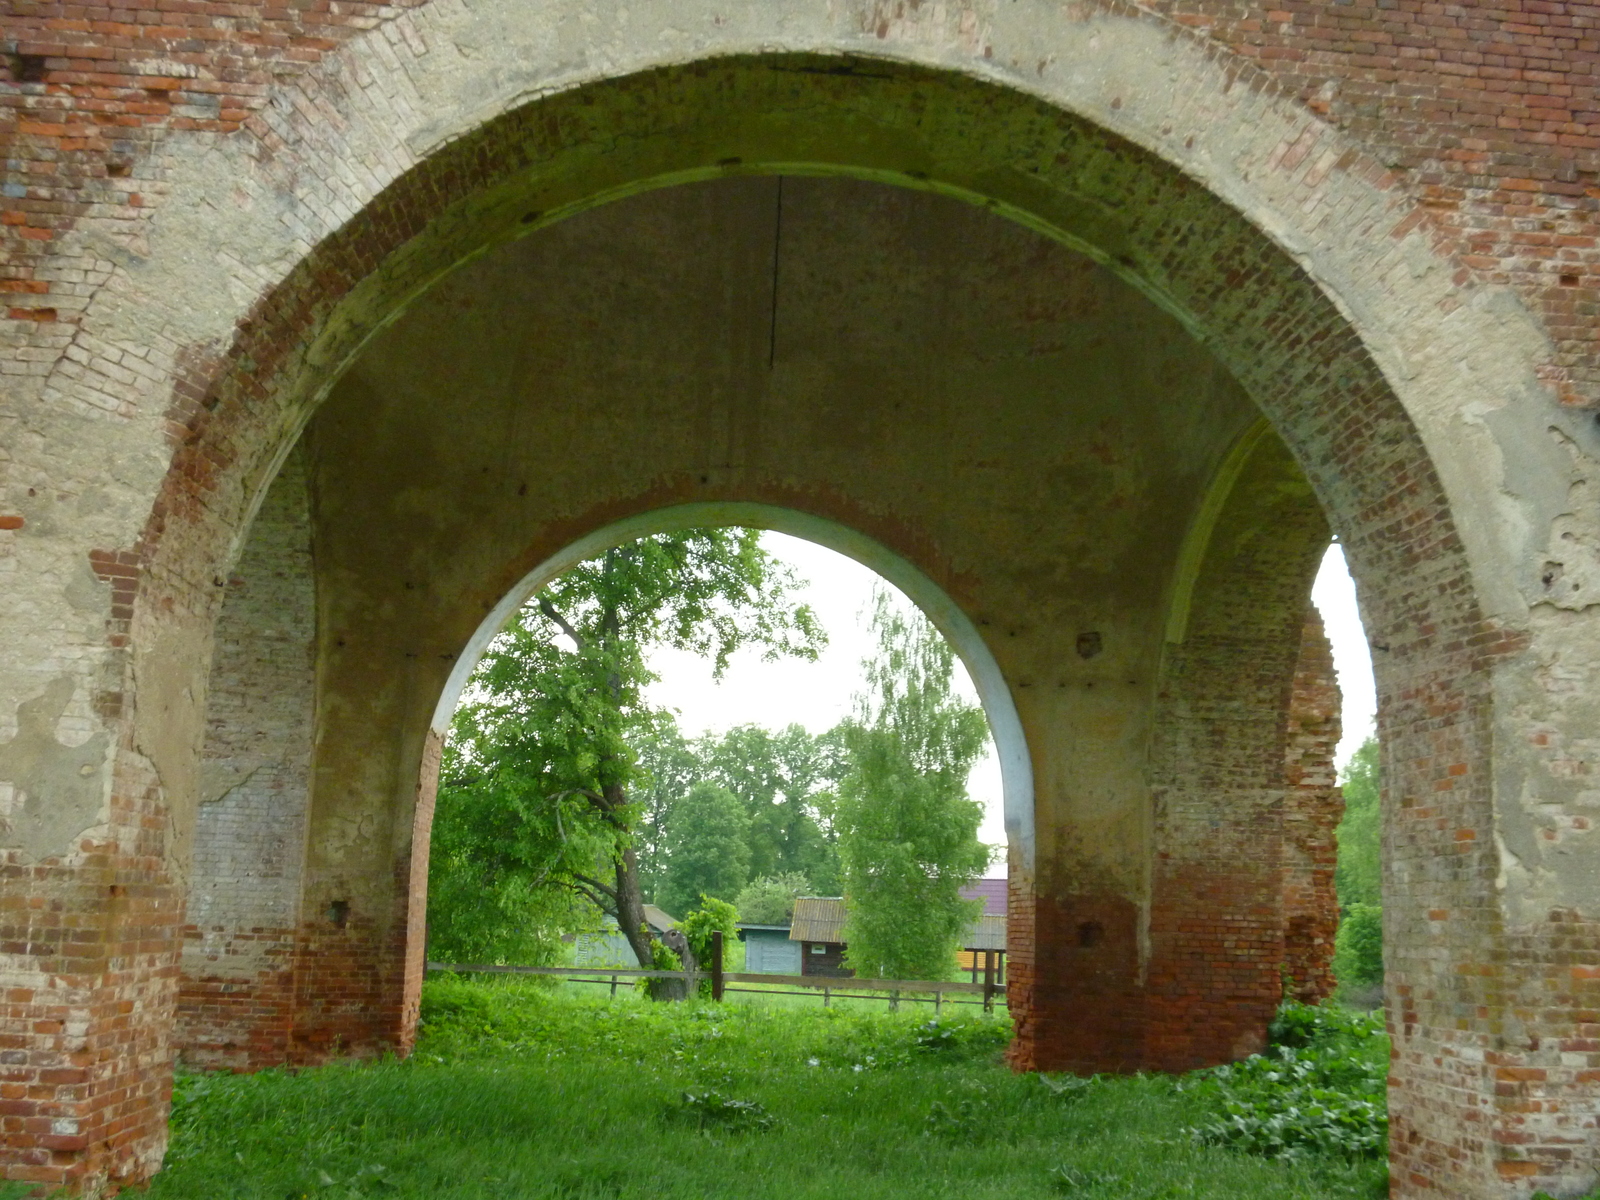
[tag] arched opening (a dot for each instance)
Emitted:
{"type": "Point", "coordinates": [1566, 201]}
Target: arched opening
{"type": "Point", "coordinates": [1273, 322]}
{"type": "Point", "coordinates": [605, 596]}
{"type": "Point", "coordinates": [981, 414]}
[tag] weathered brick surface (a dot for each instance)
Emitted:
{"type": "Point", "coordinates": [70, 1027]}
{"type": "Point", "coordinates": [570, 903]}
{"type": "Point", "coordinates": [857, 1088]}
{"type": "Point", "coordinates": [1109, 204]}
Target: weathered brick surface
{"type": "Point", "coordinates": [1432, 168]}
{"type": "Point", "coordinates": [236, 999]}
{"type": "Point", "coordinates": [1312, 808]}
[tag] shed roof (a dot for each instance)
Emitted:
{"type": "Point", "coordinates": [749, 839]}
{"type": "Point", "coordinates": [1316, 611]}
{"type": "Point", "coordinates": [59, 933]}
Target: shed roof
{"type": "Point", "coordinates": [818, 919]}
{"type": "Point", "coordinates": [991, 891]}
{"type": "Point", "coordinates": [658, 919]}
{"type": "Point", "coordinates": [821, 919]}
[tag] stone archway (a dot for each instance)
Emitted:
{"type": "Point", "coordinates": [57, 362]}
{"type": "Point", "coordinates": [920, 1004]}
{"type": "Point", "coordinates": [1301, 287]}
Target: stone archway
{"type": "Point", "coordinates": [1408, 398]}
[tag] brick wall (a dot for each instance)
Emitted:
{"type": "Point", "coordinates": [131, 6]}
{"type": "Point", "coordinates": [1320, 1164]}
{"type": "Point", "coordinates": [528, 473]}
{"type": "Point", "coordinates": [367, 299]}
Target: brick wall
{"type": "Point", "coordinates": [1243, 813]}
{"type": "Point", "coordinates": [1312, 808]}
{"type": "Point", "coordinates": [1477, 123]}
{"type": "Point", "coordinates": [236, 997]}
{"type": "Point", "coordinates": [1486, 113]}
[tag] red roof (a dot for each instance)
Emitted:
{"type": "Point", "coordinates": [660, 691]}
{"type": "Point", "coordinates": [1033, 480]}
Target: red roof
{"type": "Point", "coordinates": [991, 891]}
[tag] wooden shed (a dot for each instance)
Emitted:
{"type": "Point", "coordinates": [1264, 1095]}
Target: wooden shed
{"type": "Point", "coordinates": [818, 927]}
{"type": "Point", "coordinates": [985, 940]}
{"type": "Point", "coordinates": [768, 950]}
{"type": "Point", "coordinates": [608, 948]}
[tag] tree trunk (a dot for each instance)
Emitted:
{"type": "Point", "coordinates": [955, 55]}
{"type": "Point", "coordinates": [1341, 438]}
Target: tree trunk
{"type": "Point", "coordinates": [630, 908]}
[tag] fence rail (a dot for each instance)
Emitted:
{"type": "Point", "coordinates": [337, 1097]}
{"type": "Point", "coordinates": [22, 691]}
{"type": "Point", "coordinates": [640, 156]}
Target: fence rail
{"type": "Point", "coordinates": [842, 987]}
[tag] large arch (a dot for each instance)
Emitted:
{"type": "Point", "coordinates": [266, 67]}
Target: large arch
{"type": "Point", "coordinates": [1408, 396]}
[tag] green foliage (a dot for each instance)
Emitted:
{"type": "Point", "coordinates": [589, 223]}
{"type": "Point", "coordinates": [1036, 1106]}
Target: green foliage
{"type": "Point", "coordinates": [697, 926]}
{"type": "Point", "coordinates": [713, 1111]}
{"type": "Point", "coordinates": [708, 848]}
{"type": "Point", "coordinates": [1317, 1091]}
{"type": "Point", "coordinates": [712, 916]}
{"type": "Point", "coordinates": [1358, 947]}
{"type": "Point", "coordinates": [537, 782]}
{"type": "Point", "coordinates": [668, 766]}
{"type": "Point", "coordinates": [785, 780]}
{"type": "Point", "coordinates": [770, 899]}
{"type": "Point", "coordinates": [907, 829]}
{"type": "Point", "coordinates": [514, 1091]}
{"type": "Point", "coordinates": [1358, 877]}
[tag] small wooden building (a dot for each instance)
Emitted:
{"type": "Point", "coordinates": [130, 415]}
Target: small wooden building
{"type": "Point", "coordinates": [818, 932]}
{"type": "Point", "coordinates": [818, 928]}
{"type": "Point", "coordinates": [768, 950]}
{"type": "Point", "coordinates": [985, 940]}
{"type": "Point", "coordinates": [608, 948]}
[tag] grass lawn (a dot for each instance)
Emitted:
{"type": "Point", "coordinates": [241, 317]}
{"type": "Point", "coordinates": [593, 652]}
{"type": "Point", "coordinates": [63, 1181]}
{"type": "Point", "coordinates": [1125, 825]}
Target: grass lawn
{"type": "Point", "coordinates": [518, 1090]}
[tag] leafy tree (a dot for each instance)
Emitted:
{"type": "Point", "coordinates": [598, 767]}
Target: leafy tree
{"type": "Point", "coordinates": [1358, 946]}
{"type": "Point", "coordinates": [669, 765]}
{"type": "Point", "coordinates": [708, 847]}
{"type": "Point", "coordinates": [770, 899]}
{"type": "Point", "coordinates": [907, 829]}
{"type": "Point", "coordinates": [538, 779]}
{"type": "Point", "coordinates": [781, 778]}
{"type": "Point", "coordinates": [1358, 875]}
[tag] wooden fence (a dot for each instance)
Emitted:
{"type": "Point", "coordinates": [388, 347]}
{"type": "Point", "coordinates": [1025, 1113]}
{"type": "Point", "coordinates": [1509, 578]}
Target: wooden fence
{"type": "Point", "coordinates": [915, 991]}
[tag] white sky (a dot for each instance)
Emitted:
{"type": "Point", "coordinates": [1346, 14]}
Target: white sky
{"type": "Point", "coordinates": [817, 695]}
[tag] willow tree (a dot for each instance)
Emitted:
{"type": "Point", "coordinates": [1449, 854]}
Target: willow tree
{"type": "Point", "coordinates": [540, 783]}
{"type": "Point", "coordinates": [907, 830]}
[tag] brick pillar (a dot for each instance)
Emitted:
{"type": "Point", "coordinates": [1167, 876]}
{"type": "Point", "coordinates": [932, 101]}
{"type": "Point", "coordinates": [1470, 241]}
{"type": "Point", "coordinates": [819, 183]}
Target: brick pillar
{"type": "Point", "coordinates": [89, 967]}
{"type": "Point", "coordinates": [1312, 807]}
{"type": "Point", "coordinates": [90, 904]}
{"type": "Point", "coordinates": [236, 998]}
{"type": "Point", "coordinates": [360, 953]}
{"type": "Point", "coordinates": [1186, 970]}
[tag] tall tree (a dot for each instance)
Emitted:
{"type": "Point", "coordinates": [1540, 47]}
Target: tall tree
{"type": "Point", "coordinates": [708, 848]}
{"type": "Point", "coordinates": [1358, 875]}
{"type": "Point", "coordinates": [669, 765]}
{"type": "Point", "coordinates": [540, 759]}
{"type": "Point", "coordinates": [907, 829]}
{"type": "Point", "coordinates": [781, 778]}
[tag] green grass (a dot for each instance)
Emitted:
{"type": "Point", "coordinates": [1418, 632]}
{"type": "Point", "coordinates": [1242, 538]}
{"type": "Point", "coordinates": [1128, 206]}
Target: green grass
{"type": "Point", "coordinates": [518, 1090]}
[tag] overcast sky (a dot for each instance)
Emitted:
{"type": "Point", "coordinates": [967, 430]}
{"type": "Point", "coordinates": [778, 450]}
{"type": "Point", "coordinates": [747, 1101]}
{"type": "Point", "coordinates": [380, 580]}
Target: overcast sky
{"type": "Point", "coordinates": [817, 695]}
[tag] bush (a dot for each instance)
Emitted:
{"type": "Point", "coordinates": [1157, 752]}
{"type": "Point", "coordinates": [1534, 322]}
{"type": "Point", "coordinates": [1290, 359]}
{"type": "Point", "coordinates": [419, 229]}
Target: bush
{"type": "Point", "coordinates": [1358, 948]}
{"type": "Point", "coordinates": [770, 899]}
{"type": "Point", "coordinates": [1317, 1090]}
{"type": "Point", "coordinates": [712, 916]}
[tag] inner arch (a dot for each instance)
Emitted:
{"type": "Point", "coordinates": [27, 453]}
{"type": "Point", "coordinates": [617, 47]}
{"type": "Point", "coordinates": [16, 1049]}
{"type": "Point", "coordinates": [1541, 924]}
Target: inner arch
{"type": "Point", "coordinates": [1011, 747]}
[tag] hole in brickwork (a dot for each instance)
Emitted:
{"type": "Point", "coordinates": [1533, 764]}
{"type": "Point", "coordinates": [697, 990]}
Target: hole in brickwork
{"type": "Point", "coordinates": [1089, 644]}
{"type": "Point", "coordinates": [119, 168]}
{"type": "Point", "coordinates": [1091, 933]}
{"type": "Point", "coordinates": [28, 68]}
{"type": "Point", "coordinates": [1569, 281]}
{"type": "Point", "coordinates": [339, 913]}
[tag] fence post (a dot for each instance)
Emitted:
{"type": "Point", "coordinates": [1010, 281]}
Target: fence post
{"type": "Point", "coordinates": [988, 981]}
{"type": "Point", "coordinates": [613, 986]}
{"type": "Point", "coordinates": [826, 992]}
{"type": "Point", "coordinates": [716, 964]}
{"type": "Point", "coordinates": [938, 999]}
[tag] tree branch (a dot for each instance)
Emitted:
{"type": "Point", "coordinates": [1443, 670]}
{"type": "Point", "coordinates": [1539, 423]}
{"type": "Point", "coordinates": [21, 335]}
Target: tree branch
{"type": "Point", "coordinates": [609, 892]}
{"type": "Point", "coordinates": [549, 610]}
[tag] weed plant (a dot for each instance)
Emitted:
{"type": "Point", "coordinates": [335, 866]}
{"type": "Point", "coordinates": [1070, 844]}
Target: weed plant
{"type": "Point", "coordinates": [517, 1091]}
{"type": "Point", "coordinates": [1318, 1091]}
